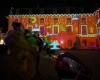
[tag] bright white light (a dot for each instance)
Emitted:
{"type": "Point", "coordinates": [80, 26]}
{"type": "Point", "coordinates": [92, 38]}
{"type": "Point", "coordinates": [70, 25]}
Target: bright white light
{"type": "Point", "coordinates": [55, 45]}
{"type": "Point", "coordinates": [75, 17]}
{"type": "Point", "coordinates": [1, 41]}
{"type": "Point", "coordinates": [61, 53]}
{"type": "Point", "coordinates": [35, 29]}
{"type": "Point", "coordinates": [61, 42]}
{"type": "Point", "coordinates": [98, 20]}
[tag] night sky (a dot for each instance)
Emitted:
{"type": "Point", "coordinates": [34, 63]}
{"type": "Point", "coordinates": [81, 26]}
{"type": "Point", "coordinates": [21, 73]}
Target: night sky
{"type": "Point", "coordinates": [88, 5]}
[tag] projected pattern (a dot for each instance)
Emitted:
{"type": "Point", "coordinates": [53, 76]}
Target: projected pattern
{"type": "Point", "coordinates": [64, 28]}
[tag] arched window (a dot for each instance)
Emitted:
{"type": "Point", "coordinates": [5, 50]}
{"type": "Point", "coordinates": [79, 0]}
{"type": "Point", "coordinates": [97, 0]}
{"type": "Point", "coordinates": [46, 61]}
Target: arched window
{"type": "Point", "coordinates": [69, 22]}
{"type": "Point", "coordinates": [84, 30]}
{"type": "Point", "coordinates": [55, 20]}
{"type": "Point", "coordinates": [83, 21]}
{"type": "Point", "coordinates": [55, 29]}
{"type": "Point", "coordinates": [43, 29]}
{"type": "Point", "coordinates": [41, 20]}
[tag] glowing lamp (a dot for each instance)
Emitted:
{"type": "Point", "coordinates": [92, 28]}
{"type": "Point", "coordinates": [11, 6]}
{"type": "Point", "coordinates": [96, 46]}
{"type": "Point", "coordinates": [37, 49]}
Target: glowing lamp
{"type": "Point", "coordinates": [55, 45]}
{"type": "Point", "coordinates": [54, 56]}
{"type": "Point", "coordinates": [98, 20]}
{"type": "Point", "coordinates": [2, 42]}
{"type": "Point", "coordinates": [61, 42]}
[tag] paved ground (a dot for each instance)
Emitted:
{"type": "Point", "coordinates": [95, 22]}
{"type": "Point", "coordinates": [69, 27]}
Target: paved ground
{"type": "Point", "coordinates": [47, 72]}
{"type": "Point", "coordinates": [91, 58]}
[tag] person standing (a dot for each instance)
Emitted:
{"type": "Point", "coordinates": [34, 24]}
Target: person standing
{"type": "Point", "coordinates": [21, 63]}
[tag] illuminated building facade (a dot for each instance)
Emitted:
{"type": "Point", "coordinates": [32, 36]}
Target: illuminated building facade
{"type": "Point", "coordinates": [64, 27]}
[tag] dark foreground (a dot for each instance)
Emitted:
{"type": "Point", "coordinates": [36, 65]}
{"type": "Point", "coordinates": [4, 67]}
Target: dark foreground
{"type": "Point", "coordinates": [91, 58]}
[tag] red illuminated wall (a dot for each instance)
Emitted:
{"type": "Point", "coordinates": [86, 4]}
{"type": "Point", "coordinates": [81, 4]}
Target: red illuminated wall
{"type": "Point", "coordinates": [83, 25]}
{"type": "Point", "coordinates": [97, 13]}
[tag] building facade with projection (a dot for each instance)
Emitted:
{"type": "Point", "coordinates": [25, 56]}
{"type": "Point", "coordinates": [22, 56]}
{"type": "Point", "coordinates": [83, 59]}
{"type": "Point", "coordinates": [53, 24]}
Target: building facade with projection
{"type": "Point", "coordinates": [64, 27]}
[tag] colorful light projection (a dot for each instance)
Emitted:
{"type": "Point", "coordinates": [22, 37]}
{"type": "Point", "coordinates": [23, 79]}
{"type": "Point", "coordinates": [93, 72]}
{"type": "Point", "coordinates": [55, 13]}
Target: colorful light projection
{"type": "Point", "coordinates": [54, 45]}
{"type": "Point", "coordinates": [32, 20]}
{"type": "Point", "coordinates": [64, 27]}
{"type": "Point", "coordinates": [66, 39]}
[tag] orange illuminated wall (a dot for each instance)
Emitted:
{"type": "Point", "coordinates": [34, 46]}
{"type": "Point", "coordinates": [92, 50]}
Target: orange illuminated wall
{"type": "Point", "coordinates": [97, 13]}
{"type": "Point", "coordinates": [83, 25]}
{"type": "Point", "coordinates": [91, 21]}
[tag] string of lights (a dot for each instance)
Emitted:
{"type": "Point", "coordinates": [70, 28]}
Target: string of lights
{"type": "Point", "coordinates": [62, 10]}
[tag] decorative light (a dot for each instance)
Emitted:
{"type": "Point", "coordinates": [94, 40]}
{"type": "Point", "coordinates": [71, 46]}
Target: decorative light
{"type": "Point", "coordinates": [54, 45]}
{"type": "Point", "coordinates": [2, 42]}
{"type": "Point", "coordinates": [98, 20]}
{"type": "Point", "coordinates": [75, 17]}
{"type": "Point", "coordinates": [33, 20]}
{"type": "Point", "coordinates": [61, 42]}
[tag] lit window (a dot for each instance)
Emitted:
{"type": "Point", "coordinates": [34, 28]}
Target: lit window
{"type": "Point", "coordinates": [83, 22]}
{"type": "Point", "coordinates": [98, 31]}
{"type": "Point", "coordinates": [91, 30]}
{"type": "Point", "coordinates": [55, 30]}
{"type": "Point", "coordinates": [16, 20]}
{"type": "Point", "coordinates": [68, 21]}
{"type": "Point", "coordinates": [42, 30]}
{"type": "Point", "coordinates": [48, 30]}
{"type": "Point", "coordinates": [55, 20]}
{"type": "Point", "coordinates": [84, 30]}
{"type": "Point", "coordinates": [41, 20]}
{"type": "Point", "coordinates": [69, 28]}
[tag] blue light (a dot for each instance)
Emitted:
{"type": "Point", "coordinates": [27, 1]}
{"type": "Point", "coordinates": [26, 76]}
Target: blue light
{"type": "Point", "coordinates": [75, 17]}
{"type": "Point", "coordinates": [35, 29]}
{"type": "Point", "coordinates": [98, 20]}
{"type": "Point", "coordinates": [55, 45]}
